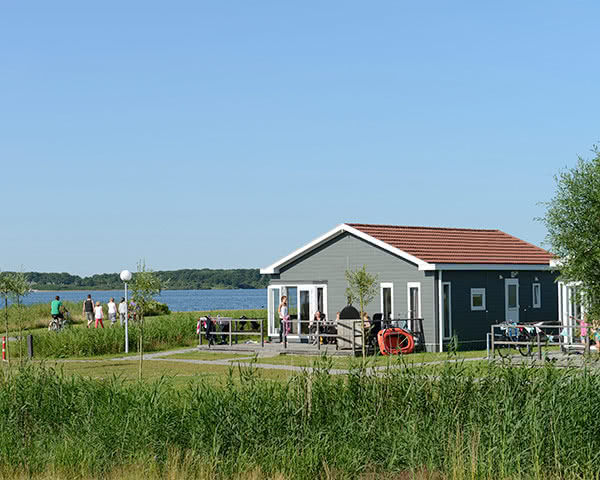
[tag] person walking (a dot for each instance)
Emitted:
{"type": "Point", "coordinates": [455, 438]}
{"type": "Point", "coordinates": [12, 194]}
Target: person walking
{"type": "Point", "coordinates": [99, 314]}
{"type": "Point", "coordinates": [122, 310]}
{"type": "Point", "coordinates": [88, 310]}
{"type": "Point", "coordinates": [112, 311]}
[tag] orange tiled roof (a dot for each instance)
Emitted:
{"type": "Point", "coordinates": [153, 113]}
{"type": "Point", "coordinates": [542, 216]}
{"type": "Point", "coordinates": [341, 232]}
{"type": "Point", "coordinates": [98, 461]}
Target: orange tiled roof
{"type": "Point", "coordinates": [457, 245]}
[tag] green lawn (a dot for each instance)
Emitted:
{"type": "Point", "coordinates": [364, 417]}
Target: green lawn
{"type": "Point", "coordinates": [201, 355]}
{"type": "Point", "coordinates": [181, 373]}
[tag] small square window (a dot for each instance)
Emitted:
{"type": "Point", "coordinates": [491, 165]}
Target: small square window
{"type": "Point", "coordinates": [537, 295]}
{"type": "Point", "coordinates": [477, 299]}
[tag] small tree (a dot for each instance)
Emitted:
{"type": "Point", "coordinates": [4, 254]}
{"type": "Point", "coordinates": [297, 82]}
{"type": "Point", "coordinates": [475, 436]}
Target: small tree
{"type": "Point", "coordinates": [20, 288]}
{"type": "Point", "coordinates": [361, 286]}
{"type": "Point", "coordinates": [144, 287]}
{"type": "Point", "coordinates": [5, 292]}
{"type": "Point", "coordinates": [573, 222]}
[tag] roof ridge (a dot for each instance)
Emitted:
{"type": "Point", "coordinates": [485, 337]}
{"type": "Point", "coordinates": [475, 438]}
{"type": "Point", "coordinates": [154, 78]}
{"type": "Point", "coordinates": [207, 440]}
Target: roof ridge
{"type": "Point", "coordinates": [423, 228]}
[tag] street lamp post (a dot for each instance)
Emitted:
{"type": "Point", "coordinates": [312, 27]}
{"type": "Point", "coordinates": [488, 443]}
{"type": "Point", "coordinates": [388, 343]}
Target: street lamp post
{"type": "Point", "coordinates": [126, 277]}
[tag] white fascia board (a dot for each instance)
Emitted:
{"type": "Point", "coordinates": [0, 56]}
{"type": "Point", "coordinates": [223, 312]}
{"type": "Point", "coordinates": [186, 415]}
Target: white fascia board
{"type": "Point", "coordinates": [489, 266]}
{"type": "Point", "coordinates": [274, 268]}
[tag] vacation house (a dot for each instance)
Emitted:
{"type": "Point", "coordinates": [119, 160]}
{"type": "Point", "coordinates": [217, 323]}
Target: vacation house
{"type": "Point", "coordinates": [458, 281]}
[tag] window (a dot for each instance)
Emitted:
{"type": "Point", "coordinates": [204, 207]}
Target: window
{"type": "Point", "coordinates": [387, 306]}
{"type": "Point", "coordinates": [413, 290]}
{"type": "Point", "coordinates": [537, 298]}
{"type": "Point", "coordinates": [477, 299]}
{"type": "Point", "coordinates": [320, 303]}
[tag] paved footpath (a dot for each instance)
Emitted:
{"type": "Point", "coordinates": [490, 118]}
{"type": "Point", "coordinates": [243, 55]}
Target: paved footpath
{"type": "Point", "coordinates": [250, 361]}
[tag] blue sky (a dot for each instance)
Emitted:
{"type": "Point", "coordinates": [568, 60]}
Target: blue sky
{"type": "Point", "coordinates": [228, 134]}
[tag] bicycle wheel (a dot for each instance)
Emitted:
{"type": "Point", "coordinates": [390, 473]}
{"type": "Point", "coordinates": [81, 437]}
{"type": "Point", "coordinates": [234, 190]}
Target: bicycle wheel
{"type": "Point", "coordinates": [507, 349]}
{"type": "Point", "coordinates": [525, 336]}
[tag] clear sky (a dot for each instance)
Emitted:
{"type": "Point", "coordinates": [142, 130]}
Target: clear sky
{"type": "Point", "coordinates": [227, 134]}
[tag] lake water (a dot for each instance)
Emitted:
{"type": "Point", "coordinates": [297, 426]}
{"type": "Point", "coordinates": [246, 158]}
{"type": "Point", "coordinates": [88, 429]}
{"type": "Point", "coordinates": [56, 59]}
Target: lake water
{"type": "Point", "coordinates": [177, 300]}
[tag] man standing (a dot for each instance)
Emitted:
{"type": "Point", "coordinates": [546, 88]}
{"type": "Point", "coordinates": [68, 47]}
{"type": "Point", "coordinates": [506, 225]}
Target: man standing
{"type": "Point", "coordinates": [88, 311]}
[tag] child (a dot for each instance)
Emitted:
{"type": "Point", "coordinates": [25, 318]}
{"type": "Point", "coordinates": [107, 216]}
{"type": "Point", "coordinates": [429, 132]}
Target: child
{"type": "Point", "coordinates": [99, 315]}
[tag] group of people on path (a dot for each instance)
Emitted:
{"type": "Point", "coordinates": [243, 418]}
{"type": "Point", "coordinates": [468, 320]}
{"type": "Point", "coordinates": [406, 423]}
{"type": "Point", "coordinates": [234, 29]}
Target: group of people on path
{"type": "Point", "coordinates": [94, 312]}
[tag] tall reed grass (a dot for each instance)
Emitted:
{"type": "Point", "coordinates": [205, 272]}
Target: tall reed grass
{"type": "Point", "coordinates": [35, 316]}
{"type": "Point", "coordinates": [160, 332]}
{"type": "Point", "coordinates": [508, 423]}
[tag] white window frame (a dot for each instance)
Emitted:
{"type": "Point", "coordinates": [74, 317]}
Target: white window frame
{"type": "Point", "coordinates": [416, 285]}
{"type": "Point", "coordinates": [478, 291]}
{"type": "Point", "coordinates": [410, 285]}
{"type": "Point", "coordinates": [449, 333]}
{"type": "Point", "coordinates": [539, 295]}
{"type": "Point", "coordinates": [389, 285]}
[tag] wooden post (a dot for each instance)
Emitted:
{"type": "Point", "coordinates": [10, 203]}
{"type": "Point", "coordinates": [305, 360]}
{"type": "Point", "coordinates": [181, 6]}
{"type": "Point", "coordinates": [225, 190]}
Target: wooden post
{"type": "Point", "coordinates": [230, 321]}
{"type": "Point", "coordinates": [262, 334]}
{"type": "Point", "coordinates": [493, 344]}
{"type": "Point", "coordinates": [539, 345]}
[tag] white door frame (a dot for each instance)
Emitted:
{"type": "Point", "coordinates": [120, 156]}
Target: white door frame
{"type": "Point", "coordinates": [272, 309]}
{"type": "Point", "coordinates": [312, 289]}
{"type": "Point", "coordinates": [311, 308]}
{"type": "Point", "coordinates": [511, 314]}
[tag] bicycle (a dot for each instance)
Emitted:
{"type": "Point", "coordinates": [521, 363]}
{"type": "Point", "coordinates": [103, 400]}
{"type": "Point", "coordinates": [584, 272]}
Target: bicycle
{"type": "Point", "coordinates": [513, 338]}
{"type": "Point", "coordinates": [57, 323]}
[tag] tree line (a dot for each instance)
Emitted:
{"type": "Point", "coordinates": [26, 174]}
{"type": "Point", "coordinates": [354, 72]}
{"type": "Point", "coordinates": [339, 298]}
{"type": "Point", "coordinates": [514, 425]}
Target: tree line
{"type": "Point", "coordinates": [187, 279]}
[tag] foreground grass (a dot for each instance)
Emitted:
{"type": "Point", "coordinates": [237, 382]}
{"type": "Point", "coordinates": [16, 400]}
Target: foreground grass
{"type": "Point", "coordinates": [180, 374]}
{"type": "Point", "coordinates": [505, 423]}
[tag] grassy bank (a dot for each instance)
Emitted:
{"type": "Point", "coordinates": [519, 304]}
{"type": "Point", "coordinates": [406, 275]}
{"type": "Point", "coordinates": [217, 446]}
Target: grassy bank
{"type": "Point", "coordinates": [160, 332]}
{"type": "Point", "coordinates": [31, 317]}
{"type": "Point", "coordinates": [506, 423]}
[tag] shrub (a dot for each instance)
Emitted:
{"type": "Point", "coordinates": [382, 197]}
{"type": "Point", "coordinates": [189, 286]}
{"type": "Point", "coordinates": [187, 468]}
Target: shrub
{"type": "Point", "coordinates": [154, 308]}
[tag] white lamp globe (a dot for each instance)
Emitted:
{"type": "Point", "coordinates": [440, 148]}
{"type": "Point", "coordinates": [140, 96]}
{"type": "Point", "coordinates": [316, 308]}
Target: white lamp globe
{"type": "Point", "coordinates": [125, 275]}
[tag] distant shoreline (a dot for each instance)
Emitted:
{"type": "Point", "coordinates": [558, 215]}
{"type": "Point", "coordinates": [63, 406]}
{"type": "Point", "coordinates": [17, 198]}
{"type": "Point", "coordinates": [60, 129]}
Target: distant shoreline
{"type": "Point", "coordinates": [100, 289]}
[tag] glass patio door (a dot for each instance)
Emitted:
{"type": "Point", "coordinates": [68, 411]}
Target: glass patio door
{"type": "Point", "coordinates": [274, 297]}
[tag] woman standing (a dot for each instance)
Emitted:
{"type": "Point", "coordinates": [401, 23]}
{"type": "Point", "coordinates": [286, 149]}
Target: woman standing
{"type": "Point", "coordinates": [99, 314]}
{"type": "Point", "coordinates": [112, 311]}
{"type": "Point", "coordinates": [284, 318]}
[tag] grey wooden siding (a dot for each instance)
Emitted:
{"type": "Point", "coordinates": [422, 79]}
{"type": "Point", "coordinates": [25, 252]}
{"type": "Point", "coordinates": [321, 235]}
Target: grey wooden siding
{"type": "Point", "coordinates": [328, 264]}
{"type": "Point", "coordinates": [472, 327]}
